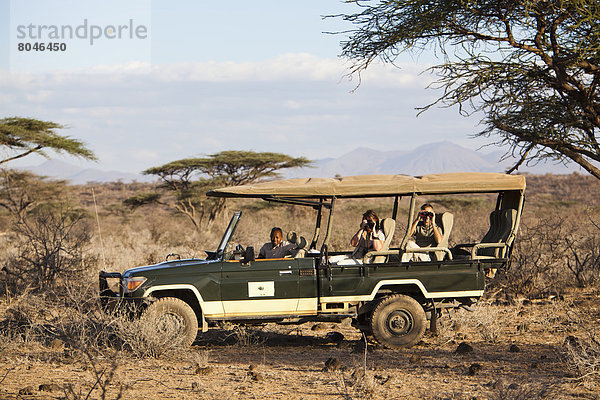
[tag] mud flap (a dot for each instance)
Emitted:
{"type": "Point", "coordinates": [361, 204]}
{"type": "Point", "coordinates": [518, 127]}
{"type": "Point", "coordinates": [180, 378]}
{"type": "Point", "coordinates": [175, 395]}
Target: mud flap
{"type": "Point", "coordinates": [433, 319]}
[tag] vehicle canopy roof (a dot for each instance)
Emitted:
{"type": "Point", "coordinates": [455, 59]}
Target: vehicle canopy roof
{"type": "Point", "coordinates": [377, 186]}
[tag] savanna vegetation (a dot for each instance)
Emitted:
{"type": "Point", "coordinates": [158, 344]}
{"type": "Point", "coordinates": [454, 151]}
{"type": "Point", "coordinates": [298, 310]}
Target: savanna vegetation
{"type": "Point", "coordinates": [534, 335]}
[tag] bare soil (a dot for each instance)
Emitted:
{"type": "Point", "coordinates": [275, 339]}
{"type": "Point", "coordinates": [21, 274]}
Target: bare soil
{"type": "Point", "coordinates": [517, 354]}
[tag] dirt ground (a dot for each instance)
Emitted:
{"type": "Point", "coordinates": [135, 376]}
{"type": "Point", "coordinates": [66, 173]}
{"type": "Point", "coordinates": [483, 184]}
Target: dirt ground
{"type": "Point", "coordinates": [517, 353]}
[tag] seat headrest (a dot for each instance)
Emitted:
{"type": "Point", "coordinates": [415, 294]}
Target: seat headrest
{"type": "Point", "coordinates": [388, 225]}
{"type": "Point", "coordinates": [299, 241]}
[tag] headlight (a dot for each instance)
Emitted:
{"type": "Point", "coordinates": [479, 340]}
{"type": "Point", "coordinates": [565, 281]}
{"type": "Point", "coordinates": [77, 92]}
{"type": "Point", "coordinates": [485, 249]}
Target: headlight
{"type": "Point", "coordinates": [131, 284]}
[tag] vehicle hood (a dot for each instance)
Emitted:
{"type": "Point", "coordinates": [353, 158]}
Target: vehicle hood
{"type": "Point", "coordinates": [163, 265]}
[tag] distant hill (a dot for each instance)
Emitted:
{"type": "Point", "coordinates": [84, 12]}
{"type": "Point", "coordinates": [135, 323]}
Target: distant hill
{"type": "Point", "coordinates": [427, 159]}
{"type": "Point", "coordinates": [78, 176]}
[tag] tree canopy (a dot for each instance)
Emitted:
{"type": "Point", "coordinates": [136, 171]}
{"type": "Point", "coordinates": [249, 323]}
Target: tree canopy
{"type": "Point", "coordinates": [531, 67]}
{"type": "Point", "coordinates": [189, 179]}
{"type": "Point", "coordinates": [25, 136]}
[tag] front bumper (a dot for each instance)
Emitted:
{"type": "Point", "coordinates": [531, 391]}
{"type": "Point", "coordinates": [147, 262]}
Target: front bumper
{"type": "Point", "coordinates": [114, 302]}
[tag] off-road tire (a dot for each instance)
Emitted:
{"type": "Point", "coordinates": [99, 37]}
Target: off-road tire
{"type": "Point", "coordinates": [175, 316]}
{"type": "Point", "coordinates": [398, 321]}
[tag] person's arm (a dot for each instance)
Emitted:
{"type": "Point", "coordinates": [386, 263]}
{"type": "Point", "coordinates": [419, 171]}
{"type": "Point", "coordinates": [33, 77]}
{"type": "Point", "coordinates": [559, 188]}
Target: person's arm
{"type": "Point", "coordinates": [262, 252]}
{"type": "Point", "coordinates": [289, 248]}
{"type": "Point", "coordinates": [356, 238]}
{"type": "Point", "coordinates": [413, 227]}
{"type": "Point", "coordinates": [437, 234]}
{"type": "Point", "coordinates": [377, 243]}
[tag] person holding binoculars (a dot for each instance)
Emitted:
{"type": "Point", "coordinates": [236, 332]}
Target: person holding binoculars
{"type": "Point", "coordinates": [423, 233]}
{"type": "Point", "coordinates": [369, 237]}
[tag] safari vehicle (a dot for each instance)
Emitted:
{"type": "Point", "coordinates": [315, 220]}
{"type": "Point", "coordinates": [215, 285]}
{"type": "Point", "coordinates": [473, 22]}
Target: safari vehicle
{"type": "Point", "coordinates": [387, 299]}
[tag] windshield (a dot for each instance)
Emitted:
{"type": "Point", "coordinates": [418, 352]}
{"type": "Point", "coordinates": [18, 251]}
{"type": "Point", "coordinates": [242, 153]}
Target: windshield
{"type": "Point", "coordinates": [229, 231]}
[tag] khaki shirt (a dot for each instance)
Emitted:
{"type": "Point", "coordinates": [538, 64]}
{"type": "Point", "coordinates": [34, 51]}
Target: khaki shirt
{"type": "Point", "coordinates": [424, 236]}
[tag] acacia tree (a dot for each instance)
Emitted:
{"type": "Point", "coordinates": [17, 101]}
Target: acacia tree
{"type": "Point", "coordinates": [25, 136]}
{"type": "Point", "coordinates": [189, 179]}
{"type": "Point", "coordinates": [532, 67]}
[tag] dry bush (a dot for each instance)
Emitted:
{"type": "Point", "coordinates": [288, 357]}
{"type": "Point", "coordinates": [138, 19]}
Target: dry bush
{"type": "Point", "coordinates": [360, 384]}
{"type": "Point", "coordinates": [584, 257]}
{"type": "Point", "coordinates": [552, 254]}
{"type": "Point", "coordinates": [141, 337]}
{"type": "Point", "coordinates": [74, 316]}
{"type": "Point", "coordinates": [584, 358]}
{"type": "Point", "coordinates": [71, 315]}
{"type": "Point", "coordinates": [243, 335]}
{"type": "Point", "coordinates": [52, 240]}
{"type": "Point", "coordinates": [105, 382]}
{"type": "Point", "coordinates": [200, 358]}
{"type": "Point", "coordinates": [538, 258]}
{"type": "Point", "coordinates": [522, 392]}
{"type": "Point", "coordinates": [48, 231]}
{"type": "Point", "coordinates": [485, 320]}
{"type": "Point", "coordinates": [20, 315]}
{"type": "Point", "coordinates": [583, 353]}
{"type": "Point", "coordinates": [89, 329]}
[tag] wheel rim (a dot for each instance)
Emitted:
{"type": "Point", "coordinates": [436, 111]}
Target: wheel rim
{"type": "Point", "coordinates": [399, 322]}
{"type": "Point", "coordinates": [171, 323]}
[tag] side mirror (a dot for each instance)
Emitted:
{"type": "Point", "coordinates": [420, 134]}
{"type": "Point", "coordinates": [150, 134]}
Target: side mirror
{"type": "Point", "coordinates": [248, 255]}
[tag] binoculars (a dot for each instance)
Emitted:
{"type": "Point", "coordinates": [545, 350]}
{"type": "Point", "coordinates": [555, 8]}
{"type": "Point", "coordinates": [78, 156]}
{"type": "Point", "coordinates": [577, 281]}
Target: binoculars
{"type": "Point", "coordinates": [425, 214]}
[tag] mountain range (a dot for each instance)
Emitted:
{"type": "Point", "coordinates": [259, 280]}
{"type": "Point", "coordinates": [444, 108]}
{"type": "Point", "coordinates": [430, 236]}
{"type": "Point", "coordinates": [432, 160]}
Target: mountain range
{"type": "Point", "coordinates": [427, 159]}
{"type": "Point", "coordinates": [58, 169]}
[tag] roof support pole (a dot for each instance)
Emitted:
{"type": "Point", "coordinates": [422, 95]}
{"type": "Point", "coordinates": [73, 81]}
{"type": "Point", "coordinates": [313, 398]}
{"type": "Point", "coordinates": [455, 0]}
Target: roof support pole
{"type": "Point", "coordinates": [513, 234]}
{"type": "Point", "coordinates": [395, 211]}
{"type": "Point", "coordinates": [411, 216]}
{"type": "Point", "coordinates": [329, 221]}
{"type": "Point", "coordinates": [313, 242]}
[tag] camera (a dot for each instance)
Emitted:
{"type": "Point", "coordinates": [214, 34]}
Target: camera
{"type": "Point", "coordinates": [370, 224]}
{"type": "Point", "coordinates": [425, 214]}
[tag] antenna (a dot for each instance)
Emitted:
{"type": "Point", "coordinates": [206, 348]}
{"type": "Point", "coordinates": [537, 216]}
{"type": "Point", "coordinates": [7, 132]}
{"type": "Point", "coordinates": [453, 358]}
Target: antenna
{"type": "Point", "coordinates": [99, 231]}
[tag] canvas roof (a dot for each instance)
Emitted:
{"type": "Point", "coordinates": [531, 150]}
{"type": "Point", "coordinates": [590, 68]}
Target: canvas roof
{"type": "Point", "coordinates": [377, 185]}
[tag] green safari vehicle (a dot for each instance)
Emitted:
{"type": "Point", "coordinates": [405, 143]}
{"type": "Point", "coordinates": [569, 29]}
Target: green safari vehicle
{"type": "Point", "coordinates": [386, 298]}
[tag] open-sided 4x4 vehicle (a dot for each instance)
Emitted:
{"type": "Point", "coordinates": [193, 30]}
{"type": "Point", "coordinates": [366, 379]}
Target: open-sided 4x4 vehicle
{"type": "Point", "coordinates": [386, 298]}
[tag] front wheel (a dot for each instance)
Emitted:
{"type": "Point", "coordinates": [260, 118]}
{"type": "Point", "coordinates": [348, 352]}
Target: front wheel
{"type": "Point", "coordinates": [173, 317]}
{"type": "Point", "coordinates": [398, 321]}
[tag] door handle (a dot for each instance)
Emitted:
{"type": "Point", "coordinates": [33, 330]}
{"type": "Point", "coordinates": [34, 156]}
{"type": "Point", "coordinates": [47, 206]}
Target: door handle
{"type": "Point", "coordinates": [285, 272]}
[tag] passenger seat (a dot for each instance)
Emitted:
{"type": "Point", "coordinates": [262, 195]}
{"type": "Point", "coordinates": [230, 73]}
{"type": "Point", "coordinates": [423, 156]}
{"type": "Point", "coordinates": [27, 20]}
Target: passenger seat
{"type": "Point", "coordinates": [388, 225]}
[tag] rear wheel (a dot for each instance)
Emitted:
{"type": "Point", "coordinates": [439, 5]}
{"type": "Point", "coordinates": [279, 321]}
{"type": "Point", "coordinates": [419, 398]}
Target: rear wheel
{"type": "Point", "coordinates": [398, 321]}
{"type": "Point", "coordinates": [172, 316]}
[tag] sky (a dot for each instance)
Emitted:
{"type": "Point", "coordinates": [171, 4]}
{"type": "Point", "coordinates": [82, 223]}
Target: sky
{"type": "Point", "coordinates": [146, 82]}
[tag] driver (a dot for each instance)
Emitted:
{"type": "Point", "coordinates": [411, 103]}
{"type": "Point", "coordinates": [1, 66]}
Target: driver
{"type": "Point", "coordinates": [277, 247]}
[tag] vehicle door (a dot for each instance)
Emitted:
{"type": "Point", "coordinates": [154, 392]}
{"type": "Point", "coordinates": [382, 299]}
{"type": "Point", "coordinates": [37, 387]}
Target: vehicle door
{"type": "Point", "coordinates": [267, 287]}
{"type": "Point", "coordinates": [341, 280]}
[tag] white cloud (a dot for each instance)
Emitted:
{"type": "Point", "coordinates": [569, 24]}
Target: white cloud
{"type": "Point", "coordinates": [286, 67]}
{"type": "Point", "coordinates": [145, 155]}
{"type": "Point", "coordinates": [135, 115]}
